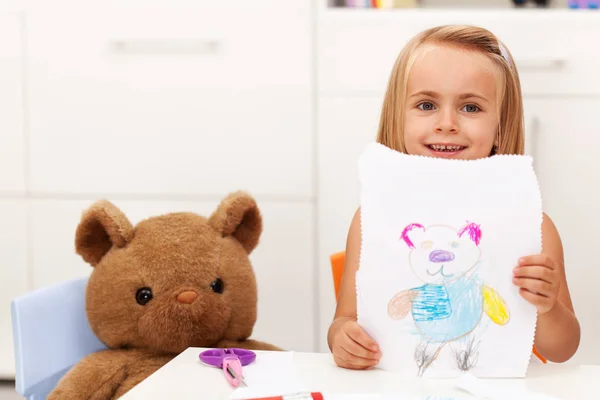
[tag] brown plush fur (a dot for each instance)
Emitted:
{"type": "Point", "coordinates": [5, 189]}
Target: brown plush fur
{"type": "Point", "coordinates": [178, 256]}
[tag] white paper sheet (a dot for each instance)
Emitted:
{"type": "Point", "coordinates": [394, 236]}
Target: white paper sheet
{"type": "Point", "coordinates": [440, 239]}
{"type": "Point", "coordinates": [272, 374]}
{"type": "Point", "coordinates": [499, 390]}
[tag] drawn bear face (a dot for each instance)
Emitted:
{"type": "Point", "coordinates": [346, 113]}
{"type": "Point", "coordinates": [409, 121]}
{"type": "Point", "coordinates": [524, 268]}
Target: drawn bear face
{"type": "Point", "coordinates": [439, 253]}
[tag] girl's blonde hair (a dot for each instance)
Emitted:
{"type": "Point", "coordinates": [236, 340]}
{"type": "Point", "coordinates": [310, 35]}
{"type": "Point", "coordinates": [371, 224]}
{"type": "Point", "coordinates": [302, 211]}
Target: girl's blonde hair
{"type": "Point", "coordinates": [510, 130]}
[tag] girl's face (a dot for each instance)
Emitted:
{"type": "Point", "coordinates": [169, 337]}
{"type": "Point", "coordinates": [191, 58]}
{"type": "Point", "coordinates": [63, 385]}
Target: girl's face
{"type": "Point", "coordinates": [451, 107]}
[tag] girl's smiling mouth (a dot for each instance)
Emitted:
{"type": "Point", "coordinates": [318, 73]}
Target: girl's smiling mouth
{"type": "Point", "coordinates": [445, 150]}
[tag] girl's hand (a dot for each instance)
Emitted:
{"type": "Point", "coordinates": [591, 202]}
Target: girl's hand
{"type": "Point", "coordinates": [539, 281]}
{"type": "Point", "coordinates": [353, 348]}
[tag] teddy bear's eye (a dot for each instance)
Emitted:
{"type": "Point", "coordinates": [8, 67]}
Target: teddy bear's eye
{"type": "Point", "coordinates": [217, 286]}
{"type": "Point", "coordinates": [143, 296]}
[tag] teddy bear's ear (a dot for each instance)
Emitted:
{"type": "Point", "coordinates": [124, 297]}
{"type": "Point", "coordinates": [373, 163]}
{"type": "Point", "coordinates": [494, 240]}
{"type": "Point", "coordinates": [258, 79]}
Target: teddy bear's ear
{"type": "Point", "coordinates": [238, 216]}
{"type": "Point", "coordinates": [102, 226]}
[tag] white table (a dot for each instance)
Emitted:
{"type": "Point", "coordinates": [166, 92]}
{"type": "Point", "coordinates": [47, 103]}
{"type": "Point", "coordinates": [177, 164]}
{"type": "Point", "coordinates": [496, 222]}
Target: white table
{"type": "Point", "coordinates": [185, 377]}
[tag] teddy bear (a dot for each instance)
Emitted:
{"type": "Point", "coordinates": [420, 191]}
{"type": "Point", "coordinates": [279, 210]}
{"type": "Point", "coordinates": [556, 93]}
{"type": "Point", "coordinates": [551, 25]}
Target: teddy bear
{"type": "Point", "coordinates": [171, 282]}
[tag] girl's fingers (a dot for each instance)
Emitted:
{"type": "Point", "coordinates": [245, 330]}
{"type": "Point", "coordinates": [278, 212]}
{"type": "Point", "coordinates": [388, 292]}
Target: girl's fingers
{"type": "Point", "coordinates": [357, 350]}
{"type": "Point", "coordinates": [535, 299]}
{"type": "Point", "coordinates": [354, 348]}
{"type": "Point", "coordinates": [542, 260]}
{"type": "Point", "coordinates": [541, 273]}
{"type": "Point", "coordinates": [353, 361]}
{"type": "Point", "coordinates": [537, 286]}
{"type": "Point", "coordinates": [345, 364]}
{"type": "Point", "coordinates": [357, 334]}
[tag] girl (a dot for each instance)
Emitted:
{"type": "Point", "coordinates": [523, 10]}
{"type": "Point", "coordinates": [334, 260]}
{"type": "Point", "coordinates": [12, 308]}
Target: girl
{"type": "Point", "coordinates": [454, 92]}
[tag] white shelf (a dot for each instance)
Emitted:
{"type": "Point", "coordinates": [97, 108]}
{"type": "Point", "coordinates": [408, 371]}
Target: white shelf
{"type": "Point", "coordinates": [330, 13]}
{"type": "Point", "coordinates": [462, 4]}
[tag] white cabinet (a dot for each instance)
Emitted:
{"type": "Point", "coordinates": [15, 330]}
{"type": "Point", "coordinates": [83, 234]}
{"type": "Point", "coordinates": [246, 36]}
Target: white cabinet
{"type": "Point", "coordinates": [346, 126]}
{"type": "Point", "coordinates": [553, 50]}
{"type": "Point", "coordinates": [283, 261]}
{"type": "Point", "coordinates": [13, 274]}
{"type": "Point", "coordinates": [165, 102]}
{"type": "Point", "coordinates": [277, 6]}
{"type": "Point", "coordinates": [12, 138]}
{"type": "Point", "coordinates": [13, 213]}
{"type": "Point", "coordinates": [565, 138]}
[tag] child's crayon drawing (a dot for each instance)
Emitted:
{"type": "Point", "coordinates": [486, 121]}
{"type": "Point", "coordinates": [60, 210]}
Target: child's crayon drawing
{"type": "Point", "coordinates": [439, 242]}
{"type": "Point", "coordinates": [453, 298]}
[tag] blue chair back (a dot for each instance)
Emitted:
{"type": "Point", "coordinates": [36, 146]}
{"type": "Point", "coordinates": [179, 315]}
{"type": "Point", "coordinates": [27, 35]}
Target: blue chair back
{"type": "Point", "coordinates": [51, 333]}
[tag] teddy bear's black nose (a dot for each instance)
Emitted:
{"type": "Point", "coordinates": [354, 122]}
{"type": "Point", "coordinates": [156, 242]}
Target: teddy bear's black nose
{"type": "Point", "coordinates": [187, 297]}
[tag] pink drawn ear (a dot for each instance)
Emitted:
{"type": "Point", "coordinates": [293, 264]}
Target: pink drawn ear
{"type": "Point", "coordinates": [405, 237]}
{"type": "Point", "coordinates": [474, 232]}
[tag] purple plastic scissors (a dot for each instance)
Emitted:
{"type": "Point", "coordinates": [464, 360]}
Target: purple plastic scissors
{"type": "Point", "coordinates": [231, 361]}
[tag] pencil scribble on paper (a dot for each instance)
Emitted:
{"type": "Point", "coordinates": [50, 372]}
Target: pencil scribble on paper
{"type": "Point", "coordinates": [451, 302]}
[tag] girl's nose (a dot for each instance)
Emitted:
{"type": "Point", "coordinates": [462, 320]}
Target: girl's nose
{"type": "Point", "coordinates": [447, 122]}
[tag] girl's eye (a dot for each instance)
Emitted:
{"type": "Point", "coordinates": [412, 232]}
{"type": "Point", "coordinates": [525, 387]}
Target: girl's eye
{"type": "Point", "coordinates": [470, 108]}
{"type": "Point", "coordinates": [426, 106]}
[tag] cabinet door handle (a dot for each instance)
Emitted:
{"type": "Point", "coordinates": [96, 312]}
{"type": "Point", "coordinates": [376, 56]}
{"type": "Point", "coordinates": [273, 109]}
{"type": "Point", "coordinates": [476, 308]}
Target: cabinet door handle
{"type": "Point", "coordinates": [165, 46]}
{"type": "Point", "coordinates": [541, 63]}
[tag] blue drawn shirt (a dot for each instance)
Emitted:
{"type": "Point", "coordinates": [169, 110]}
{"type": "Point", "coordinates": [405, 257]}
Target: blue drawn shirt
{"type": "Point", "coordinates": [447, 312]}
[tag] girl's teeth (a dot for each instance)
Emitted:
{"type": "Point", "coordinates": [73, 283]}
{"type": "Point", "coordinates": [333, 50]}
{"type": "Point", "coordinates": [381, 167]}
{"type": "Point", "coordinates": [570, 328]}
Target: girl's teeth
{"type": "Point", "coordinates": [445, 148]}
